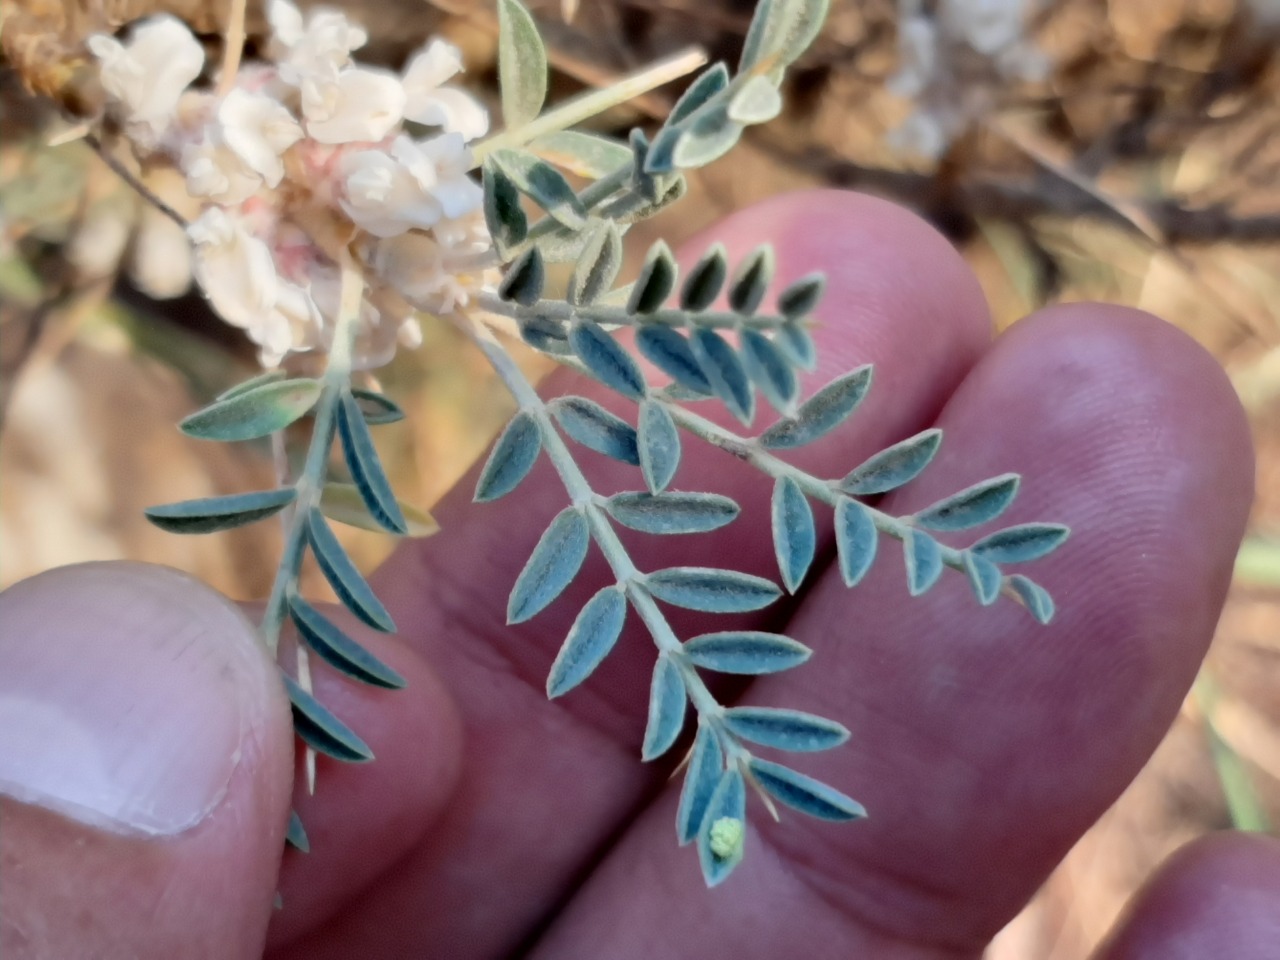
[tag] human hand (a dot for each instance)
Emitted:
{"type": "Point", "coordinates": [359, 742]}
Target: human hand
{"type": "Point", "coordinates": [145, 728]}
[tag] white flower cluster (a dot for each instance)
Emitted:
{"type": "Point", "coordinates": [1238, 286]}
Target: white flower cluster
{"type": "Point", "coordinates": [310, 139]}
{"type": "Point", "coordinates": [953, 63]}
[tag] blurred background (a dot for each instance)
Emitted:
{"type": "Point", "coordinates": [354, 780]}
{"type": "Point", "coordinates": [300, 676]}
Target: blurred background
{"type": "Point", "coordinates": [1126, 150]}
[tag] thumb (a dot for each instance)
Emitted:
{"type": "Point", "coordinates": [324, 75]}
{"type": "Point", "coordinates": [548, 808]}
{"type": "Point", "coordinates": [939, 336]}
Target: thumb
{"type": "Point", "coordinates": [145, 768]}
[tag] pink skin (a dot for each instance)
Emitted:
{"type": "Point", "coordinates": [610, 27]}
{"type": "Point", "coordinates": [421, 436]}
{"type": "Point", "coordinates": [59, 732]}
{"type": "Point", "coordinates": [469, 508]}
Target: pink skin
{"type": "Point", "coordinates": [495, 823]}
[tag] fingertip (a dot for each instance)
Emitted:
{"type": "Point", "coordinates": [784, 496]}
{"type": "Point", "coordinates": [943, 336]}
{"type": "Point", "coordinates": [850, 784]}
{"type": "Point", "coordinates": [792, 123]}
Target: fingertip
{"type": "Point", "coordinates": [1216, 897]}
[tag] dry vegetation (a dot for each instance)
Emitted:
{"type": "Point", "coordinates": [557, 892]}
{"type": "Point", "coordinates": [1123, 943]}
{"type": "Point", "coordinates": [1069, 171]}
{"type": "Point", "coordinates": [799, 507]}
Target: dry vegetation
{"type": "Point", "coordinates": [1144, 171]}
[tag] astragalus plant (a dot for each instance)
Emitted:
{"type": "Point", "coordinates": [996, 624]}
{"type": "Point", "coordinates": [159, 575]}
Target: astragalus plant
{"type": "Point", "coordinates": [341, 203]}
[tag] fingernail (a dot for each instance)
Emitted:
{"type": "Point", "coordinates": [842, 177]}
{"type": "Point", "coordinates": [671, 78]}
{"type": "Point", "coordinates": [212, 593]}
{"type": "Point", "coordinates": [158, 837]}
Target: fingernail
{"type": "Point", "coordinates": [126, 691]}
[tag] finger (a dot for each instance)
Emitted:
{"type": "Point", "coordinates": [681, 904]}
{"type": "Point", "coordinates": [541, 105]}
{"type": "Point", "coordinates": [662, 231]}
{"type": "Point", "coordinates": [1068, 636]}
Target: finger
{"type": "Point", "coordinates": [145, 770]}
{"type": "Point", "coordinates": [545, 785]}
{"type": "Point", "coordinates": [1216, 897]}
{"type": "Point", "coordinates": [983, 745]}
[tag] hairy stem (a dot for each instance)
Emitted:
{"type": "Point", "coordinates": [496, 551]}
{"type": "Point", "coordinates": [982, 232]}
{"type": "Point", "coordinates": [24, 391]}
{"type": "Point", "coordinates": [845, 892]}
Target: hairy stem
{"type": "Point", "coordinates": [615, 316]}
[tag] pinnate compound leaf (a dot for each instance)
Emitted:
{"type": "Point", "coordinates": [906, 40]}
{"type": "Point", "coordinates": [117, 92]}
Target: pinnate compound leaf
{"type": "Point", "coordinates": [924, 561]}
{"type": "Point", "coordinates": [703, 283]}
{"type": "Point", "coordinates": [669, 351]}
{"type": "Point", "coordinates": [702, 776]}
{"type": "Point", "coordinates": [319, 729]}
{"type": "Point", "coordinates": [1021, 543]}
{"type": "Point", "coordinates": [295, 835]}
{"type": "Point", "coordinates": [984, 577]}
{"type": "Point", "coordinates": [512, 458]}
{"type": "Point", "coordinates": [972, 506]}
{"type": "Point", "coordinates": [503, 215]}
{"type": "Point", "coordinates": [270, 376]}
{"type": "Point", "coordinates": [748, 652]}
{"type": "Point", "coordinates": [366, 468]}
{"type": "Point", "coordinates": [666, 709]}
{"type": "Point", "coordinates": [754, 275]}
{"type": "Point", "coordinates": [377, 408]}
{"type": "Point", "coordinates": [794, 536]}
{"type": "Point", "coordinates": [856, 540]}
{"type": "Point", "coordinates": [822, 412]}
{"type": "Point", "coordinates": [801, 297]}
{"type": "Point", "coordinates": [352, 589]}
{"type": "Point", "coordinates": [522, 65]}
{"type": "Point", "coordinates": [796, 343]}
{"type": "Point", "coordinates": [598, 266]}
{"type": "Point", "coordinates": [757, 101]}
{"type": "Point", "coordinates": [723, 829]}
{"type": "Point", "coordinates": [893, 466]}
{"type": "Point", "coordinates": [596, 428]}
{"type": "Point", "coordinates": [658, 443]}
{"type": "Point", "coordinates": [343, 502]}
{"type": "Point", "coordinates": [220, 513]}
{"type": "Point", "coordinates": [780, 31]}
{"type": "Point", "coordinates": [582, 154]}
{"type": "Point", "coordinates": [657, 280]}
{"type": "Point", "coordinates": [1035, 597]}
{"type": "Point", "coordinates": [606, 359]}
{"type": "Point", "coordinates": [551, 567]}
{"type": "Point", "coordinates": [544, 185]}
{"type": "Point", "coordinates": [770, 371]}
{"type": "Point", "coordinates": [672, 512]}
{"type": "Point", "coordinates": [524, 279]}
{"type": "Point", "coordinates": [256, 412]}
{"type": "Point", "coordinates": [804, 793]}
{"type": "Point", "coordinates": [711, 589]}
{"type": "Point", "coordinates": [710, 82]}
{"type": "Point", "coordinates": [784, 729]}
{"type": "Point", "coordinates": [725, 372]}
{"type": "Point", "coordinates": [590, 640]}
{"type": "Point", "coordinates": [339, 650]}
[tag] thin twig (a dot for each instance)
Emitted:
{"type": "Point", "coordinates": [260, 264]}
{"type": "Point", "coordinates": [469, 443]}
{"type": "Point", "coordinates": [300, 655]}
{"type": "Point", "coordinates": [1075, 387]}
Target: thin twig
{"type": "Point", "coordinates": [127, 175]}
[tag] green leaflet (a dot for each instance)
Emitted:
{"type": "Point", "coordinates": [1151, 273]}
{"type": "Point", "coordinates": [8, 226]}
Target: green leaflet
{"type": "Point", "coordinates": [752, 280]}
{"type": "Point", "coordinates": [377, 409]}
{"type": "Point", "coordinates": [893, 466]}
{"type": "Point", "coordinates": [795, 537]}
{"type": "Point", "coordinates": [366, 469]}
{"type": "Point", "coordinates": [658, 444]}
{"type": "Point", "coordinates": [712, 590]}
{"type": "Point", "coordinates": [524, 279]}
{"type": "Point", "coordinates": [798, 346]}
{"type": "Point", "coordinates": [596, 428]}
{"type": "Point", "coordinates": [592, 636]}
{"type": "Point", "coordinates": [784, 729]}
{"type": "Point", "coordinates": [598, 266]}
{"type": "Point", "coordinates": [780, 31]}
{"type": "Point", "coordinates": [856, 540]}
{"type": "Point", "coordinates": [703, 283]}
{"type": "Point", "coordinates": [512, 458]}
{"type": "Point", "coordinates": [219, 513]}
{"type": "Point", "coordinates": [503, 214]}
{"type": "Point", "coordinates": [319, 729]}
{"type": "Point", "coordinates": [801, 298]}
{"type": "Point", "coordinates": [606, 360]}
{"type": "Point", "coordinates": [757, 101]}
{"type": "Point", "coordinates": [1022, 543]}
{"type": "Point", "coordinates": [672, 512]}
{"type": "Point", "coordinates": [343, 502]}
{"type": "Point", "coordinates": [666, 709]}
{"type": "Point", "coordinates": [669, 351]}
{"type": "Point", "coordinates": [972, 506]}
{"type": "Point", "coordinates": [984, 577]}
{"type": "Point", "coordinates": [583, 154]}
{"type": "Point", "coordinates": [296, 835]}
{"type": "Point", "coordinates": [337, 649]}
{"type": "Point", "coordinates": [270, 376]}
{"type": "Point", "coordinates": [656, 281]}
{"type": "Point", "coordinates": [770, 371]}
{"type": "Point", "coordinates": [544, 185]}
{"type": "Point", "coordinates": [821, 413]}
{"type": "Point", "coordinates": [522, 65]}
{"type": "Point", "coordinates": [723, 822]}
{"type": "Point", "coordinates": [350, 587]}
{"type": "Point", "coordinates": [709, 83]}
{"type": "Point", "coordinates": [554, 563]}
{"type": "Point", "coordinates": [255, 412]}
{"type": "Point", "coordinates": [804, 793]}
{"type": "Point", "coordinates": [702, 776]}
{"type": "Point", "coordinates": [724, 371]}
{"type": "Point", "coordinates": [1035, 597]}
{"type": "Point", "coordinates": [748, 652]}
{"type": "Point", "coordinates": [924, 561]}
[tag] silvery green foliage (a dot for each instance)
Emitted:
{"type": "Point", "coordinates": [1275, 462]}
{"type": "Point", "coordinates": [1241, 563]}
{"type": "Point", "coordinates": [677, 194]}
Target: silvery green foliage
{"type": "Point", "coordinates": [721, 332]}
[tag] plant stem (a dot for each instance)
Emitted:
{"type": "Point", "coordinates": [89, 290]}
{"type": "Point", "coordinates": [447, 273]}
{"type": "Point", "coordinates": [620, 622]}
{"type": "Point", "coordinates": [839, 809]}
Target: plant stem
{"type": "Point", "coordinates": [619, 317]}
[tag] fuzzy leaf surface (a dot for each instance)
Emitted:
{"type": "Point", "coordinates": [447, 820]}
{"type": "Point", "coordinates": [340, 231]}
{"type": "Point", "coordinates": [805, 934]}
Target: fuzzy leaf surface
{"type": "Point", "coordinates": [220, 513]}
{"type": "Point", "coordinates": [1022, 543]}
{"type": "Point", "coordinates": [856, 540]}
{"type": "Point", "coordinates": [606, 359]}
{"type": "Point", "coordinates": [821, 413]}
{"type": "Point", "coordinates": [725, 372]}
{"type": "Point", "coordinates": [711, 589]}
{"type": "Point", "coordinates": [728, 803]}
{"type": "Point", "coordinates": [702, 776]}
{"type": "Point", "coordinates": [1035, 597]}
{"type": "Point", "coordinates": [672, 512]}
{"type": "Point", "coordinates": [522, 65]}
{"type": "Point", "coordinates": [924, 561]}
{"type": "Point", "coordinates": [770, 371]}
{"type": "Point", "coordinates": [544, 185]}
{"type": "Point", "coordinates": [599, 264]}
{"type": "Point", "coordinates": [256, 412]}
{"type": "Point", "coordinates": [596, 428]}
{"type": "Point", "coordinates": [804, 793]}
{"type": "Point", "coordinates": [377, 408]}
{"type": "Point", "coordinates": [984, 577]}
{"type": "Point", "coordinates": [337, 649]}
{"type": "Point", "coordinates": [592, 636]}
{"type": "Point", "coordinates": [785, 729]}
{"type": "Point", "coordinates": [748, 652]}
{"type": "Point", "coordinates": [582, 154]}
{"type": "Point", "coordinates": [658, 443]}
{"type": "Point", "coordinates": [972, 506]}
{"type": "Point", "coordinates": [352, 588]}
{"type": "Point", "coordinates": [366, 469]}
{"type": "Point", "coordinates": [666, 709]}
{"type": "Point", "coordinates": [893, 466]}
{"type": "Point", "coordinates": [343, 502]}
{"type": "Point", "coordinates": [669, 351]}
{"type": "Point", "coordinates": [551, 567]}
{"type": "Point", "coordinates": [795, 537]}
{"type": "Point", "coordinates": [319, 729]}
{"type": "Point", "coordinates": [513, 456]}
{"type": "Point", "coordinates": [656, 281]}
